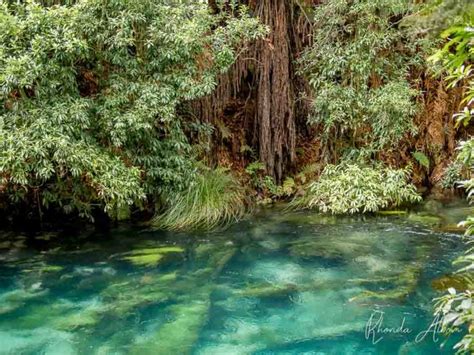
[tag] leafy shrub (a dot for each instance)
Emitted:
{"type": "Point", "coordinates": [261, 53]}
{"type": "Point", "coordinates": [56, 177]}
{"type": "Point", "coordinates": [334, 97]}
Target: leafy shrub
{"type": "Point", "coordinates": [452, 175]}
{"type": "Point", "coordinates": [358, 69]}
{"type": "Point", "coordinates": [90, 93]}
{"type": "Point", "coordinates": [351, 188]}
{"type": "Point", "coordinates": [456, 59]}
{"type": "Point", "coordinates": [213, 199]}
{"type": "Point", "coordinates": [267, 185]}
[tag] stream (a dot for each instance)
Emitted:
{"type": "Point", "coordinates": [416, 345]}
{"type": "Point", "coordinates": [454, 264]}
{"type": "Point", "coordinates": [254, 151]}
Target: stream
{"type": "Point", "coordinates": [277, 283]}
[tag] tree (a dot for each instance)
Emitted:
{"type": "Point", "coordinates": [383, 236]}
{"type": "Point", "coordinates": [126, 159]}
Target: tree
{"type": "Point", "coordinates": [90, 94]}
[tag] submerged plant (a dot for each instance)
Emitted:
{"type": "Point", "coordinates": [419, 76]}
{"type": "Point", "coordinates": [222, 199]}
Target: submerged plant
{"type": "Point", "coordinates": [214, 198]}
{"type": "Point", "coordinates": [351, 188]}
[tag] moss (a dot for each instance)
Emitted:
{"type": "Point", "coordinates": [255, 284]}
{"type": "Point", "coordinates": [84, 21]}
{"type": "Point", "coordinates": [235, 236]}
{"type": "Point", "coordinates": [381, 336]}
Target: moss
{"type": "Point", "coordinates": [451, 228]}
{"type": "Point", "coordinates": [51, 268]}
{"type": "Point", "coordinates": [268, 290]}
{"type": "Point", "coordinates": [150, 257]}
{"type": "Point", "coordinates": [456, 281]}
{"type": "Point", "coordinates": [180, 334]}
{"type": "Point", "coordinates": [144, 260]}
{"type": "Point", "coordinates": [392, 213]}
{"type": "Point", "coordinates": [424, 218]}
{"type": "Point", "coordinates": [404, 285]}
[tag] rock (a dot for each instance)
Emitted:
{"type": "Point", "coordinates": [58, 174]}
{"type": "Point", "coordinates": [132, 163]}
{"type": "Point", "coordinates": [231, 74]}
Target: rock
{"type": "Point", "coordinates": [457, 281]}
{"type": "Point", "coordinates": [179, 334]}
{"type": "Point", "coordinates": [424, 218]}
{"type": "Point", "coordinates": [150, 257]}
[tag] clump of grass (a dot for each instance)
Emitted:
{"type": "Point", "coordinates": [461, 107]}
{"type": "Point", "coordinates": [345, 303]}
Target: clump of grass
{"type": "Point", "coordinates": [214, 199]}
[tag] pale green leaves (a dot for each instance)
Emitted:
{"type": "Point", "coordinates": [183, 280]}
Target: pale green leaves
{"type": "Point", "coordinates": [350, 188]}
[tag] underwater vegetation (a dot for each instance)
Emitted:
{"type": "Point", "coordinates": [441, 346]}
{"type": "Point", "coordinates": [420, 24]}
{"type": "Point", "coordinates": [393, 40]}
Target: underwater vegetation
{"type": "Point", "coordinates": [286, 283]}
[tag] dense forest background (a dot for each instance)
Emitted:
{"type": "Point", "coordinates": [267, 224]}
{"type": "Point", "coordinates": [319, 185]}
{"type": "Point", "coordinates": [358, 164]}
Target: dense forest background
{"type": "Point", "coordinates": [191, 111]}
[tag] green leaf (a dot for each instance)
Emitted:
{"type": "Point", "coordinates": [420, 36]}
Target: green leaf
{"type": "Point", "coordinates": [422, 159]}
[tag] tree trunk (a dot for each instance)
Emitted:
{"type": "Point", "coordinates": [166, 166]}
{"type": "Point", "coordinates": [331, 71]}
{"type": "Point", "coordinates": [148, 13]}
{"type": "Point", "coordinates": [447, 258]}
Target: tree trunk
{"type": "Point", "coordinates": [261, 85]}
{"type": "Point", "coordinates": [274, 117]}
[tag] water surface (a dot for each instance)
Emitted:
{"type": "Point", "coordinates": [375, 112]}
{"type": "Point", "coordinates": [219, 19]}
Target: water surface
{"type": "Point", "coordinates": [278, 283]}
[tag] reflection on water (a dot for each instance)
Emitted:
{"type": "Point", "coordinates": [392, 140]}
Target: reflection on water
{"type": "Point", "coordinates": [280, 283]}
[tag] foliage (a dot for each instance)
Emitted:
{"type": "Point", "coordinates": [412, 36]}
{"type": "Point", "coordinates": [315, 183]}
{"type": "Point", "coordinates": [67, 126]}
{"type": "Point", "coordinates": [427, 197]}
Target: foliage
{"type": "Point", "coordinates": [456, 309]}
{"type": "Point", "coordinates": [452, 175]}
{"type": "Point", "coordinates": [456, 59]}
{"type": "Point", "coordinates": [214, 198]}
{"type": "Point", "coordinates": [90, 93]}
{"type": "Point", "coordinates": [422, 159]}
{"type": "Point", "coordinates": [351, 188]}
{"type": "Point", "coordinates": [358, 68]}
{"type": "Point", "coordinates": [267, 185]}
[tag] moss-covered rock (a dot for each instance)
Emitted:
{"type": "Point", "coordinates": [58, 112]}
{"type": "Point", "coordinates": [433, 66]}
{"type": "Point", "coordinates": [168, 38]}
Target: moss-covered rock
{"type": "Point", "coordinates": [179, 334]}
{"type": "Point", "coordinates": [13, 300]}
{"type": "Point", "coordinates": [404, 284]}
{"type": "Point", "coordinates": [149, 257]}
{"type": "Point", "coordinates": [392, 213]}
{"type": "Point", "coordinates": [459, 282]}
{"type": "Point", "coordinates": [425, 219]}
{"type": "Point", "coordinates": [268, 290]}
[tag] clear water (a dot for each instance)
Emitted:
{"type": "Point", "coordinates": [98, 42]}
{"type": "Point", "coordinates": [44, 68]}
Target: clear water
{"type": "Point", "coordinates": [279, 283]}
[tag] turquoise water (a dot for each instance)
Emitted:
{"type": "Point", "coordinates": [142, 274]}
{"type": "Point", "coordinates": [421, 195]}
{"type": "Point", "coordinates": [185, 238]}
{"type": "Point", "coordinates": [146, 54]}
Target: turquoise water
{"type": "Point", "coordinates": [279, 283]}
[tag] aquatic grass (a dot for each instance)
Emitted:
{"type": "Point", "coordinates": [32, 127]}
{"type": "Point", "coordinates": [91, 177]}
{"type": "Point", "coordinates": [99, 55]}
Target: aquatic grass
{"type": "Point", "coordinates": [214, 199]}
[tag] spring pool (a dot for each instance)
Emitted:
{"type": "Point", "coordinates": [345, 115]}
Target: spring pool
{"type": "Point", "coordinates": [277, 283]}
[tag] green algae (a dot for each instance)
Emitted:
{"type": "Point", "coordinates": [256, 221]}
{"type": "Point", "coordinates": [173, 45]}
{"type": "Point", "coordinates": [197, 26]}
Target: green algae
{"type": "Point", "coordinates": [148, 260]}
{"type": "Point", "coordinates": [78, 319]}
{"type": "Point", "coordinates": [51, 268]}
{"type": "Point", "coordinates": [405, 284]}
{"type": "Point", "coordinates": [125, 297]}
{"type": "Point", "coordinates": [337, 247]}
{"type": "Point", "coordinates": [276, 299]}
{"type": "Point", "coordinates": [13, 300]}
{"type": "Point", "coordinates": [180, 334]}
{"type": "Point", "coordinates": [425, 218]}
{"type": "Point", "coordinates": [268, 290]}
{"type": "Point", "coordinates": [150, 257]}
{"type": "Point", "coordinates": [391, 213]}
{"type": "Point", "coordinates": [190, 314]}
{"type": "Point", "coordinates": [459, 282]}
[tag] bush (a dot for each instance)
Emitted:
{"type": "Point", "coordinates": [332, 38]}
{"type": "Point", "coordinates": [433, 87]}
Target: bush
{"type": "Point", "coordinates": [351, 188]}
{"type": "Point", "coordinates": [457, 59]}
{"type": "Point", "coordinates": [214, 199]}
{"type": "Point", "coordinates": [90, 93]}
{"type": "Point", "coordinates": [357, 68]}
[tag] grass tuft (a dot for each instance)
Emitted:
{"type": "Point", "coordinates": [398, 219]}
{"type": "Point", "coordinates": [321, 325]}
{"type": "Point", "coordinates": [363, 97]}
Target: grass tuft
{"type": "Point", "coordinates": [214, 199]}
